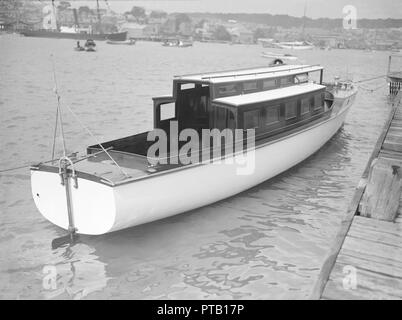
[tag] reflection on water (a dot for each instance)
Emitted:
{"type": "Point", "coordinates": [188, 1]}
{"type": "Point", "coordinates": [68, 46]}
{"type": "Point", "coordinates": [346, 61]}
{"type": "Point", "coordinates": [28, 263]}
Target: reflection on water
{"type": "Point", "coordinates": [74, 277]}
{"type": "Point", "coordinates": [267, 242]}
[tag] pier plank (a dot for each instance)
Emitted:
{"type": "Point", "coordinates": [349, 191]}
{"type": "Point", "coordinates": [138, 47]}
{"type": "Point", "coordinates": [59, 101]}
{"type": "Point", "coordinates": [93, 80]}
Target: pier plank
{"type": "Point", "coordinates": [392, 228]}
{"type": "Point", "coordinates": [393, 146]}
{"type": "Point", "coordinates": [370, 247]}
{"type": "Point", "coordinates": [383, 236]}
{"type": "Point", "coordinates": [388, 266]}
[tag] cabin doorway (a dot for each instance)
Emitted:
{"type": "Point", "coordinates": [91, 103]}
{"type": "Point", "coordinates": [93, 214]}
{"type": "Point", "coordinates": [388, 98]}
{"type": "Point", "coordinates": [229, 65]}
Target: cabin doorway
{"type": "Point", "coordinates": [193, 107]}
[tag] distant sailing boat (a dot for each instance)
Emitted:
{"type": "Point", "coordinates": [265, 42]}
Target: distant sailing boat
{"type": "Point", "coordinates": [52, 30]}
{"type": "Point", "coordinates": [298, 45]}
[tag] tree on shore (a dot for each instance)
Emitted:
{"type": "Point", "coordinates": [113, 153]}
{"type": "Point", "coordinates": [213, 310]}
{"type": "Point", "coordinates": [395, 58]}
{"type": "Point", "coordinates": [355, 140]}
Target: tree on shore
{"type": "Point", "coordinates": [222, 34]}
{"type": "Point", "coordinates": [64, 5]}
{"type": "Point", "coordinates": [182, 18]}
{"type": "Point", "coordinates": [138, 13]}
{"type": "Point", "coordinates": [158, 14]}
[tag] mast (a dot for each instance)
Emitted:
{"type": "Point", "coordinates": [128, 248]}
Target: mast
{"type": "Point", "coordinates": [54, 15]}
{"type": "Point", "coordinates": [304, 18]}
{"type": "Point", "coordinates": [77, 24]}
{"type": "Point", "coordinates": [99, 17]}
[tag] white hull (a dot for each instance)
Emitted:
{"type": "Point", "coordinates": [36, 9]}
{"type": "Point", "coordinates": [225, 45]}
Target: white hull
{"type": "Point", "coordinates": [295, 46]}
{"type": "Point", "coordinates": [99, 208]}
{"type": "Point", "coordinates": [271, 55]}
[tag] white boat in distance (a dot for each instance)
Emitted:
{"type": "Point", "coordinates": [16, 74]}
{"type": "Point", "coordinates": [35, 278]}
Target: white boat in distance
{"type": "Point", "coordinates": [292, 115]}
{"type": "Point", "coordinates": [281, 56]}
{"type": "Point", "coordinates": [295, 45]}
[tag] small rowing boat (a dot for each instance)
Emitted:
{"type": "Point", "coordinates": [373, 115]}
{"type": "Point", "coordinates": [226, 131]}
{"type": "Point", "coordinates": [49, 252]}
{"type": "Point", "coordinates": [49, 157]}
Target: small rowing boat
{"type": "Point", "coordinates": [216, 135]}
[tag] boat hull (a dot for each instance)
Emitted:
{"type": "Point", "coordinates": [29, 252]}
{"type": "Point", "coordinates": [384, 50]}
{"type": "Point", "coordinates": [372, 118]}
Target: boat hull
{"type": "Point", "coordinates": [100, 208]}
{"type": "Point", "coordinates": [125, 42]}
{"type": "Point", "coordinates": [118, 36]}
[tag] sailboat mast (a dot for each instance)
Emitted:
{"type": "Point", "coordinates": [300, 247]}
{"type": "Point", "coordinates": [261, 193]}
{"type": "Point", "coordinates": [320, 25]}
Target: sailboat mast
{"type": "Point", "coordinates": [54, 15]}
{"type": "Point", "coordinates": [304, 17]}
{"type": "Point", "coordinates": [99, 16]}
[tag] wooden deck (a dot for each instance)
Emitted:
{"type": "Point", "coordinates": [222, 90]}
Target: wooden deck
{"type": "Point", "coordinates": [365, 261]}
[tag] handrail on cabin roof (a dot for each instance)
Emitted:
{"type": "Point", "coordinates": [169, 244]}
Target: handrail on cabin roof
{"type": "Point", "coordinates": [247, 74]}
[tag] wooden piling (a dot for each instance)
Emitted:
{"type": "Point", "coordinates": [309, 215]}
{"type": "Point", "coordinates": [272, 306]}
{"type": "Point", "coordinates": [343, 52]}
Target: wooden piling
{"type": "Point", "coordinates": [383, 190]}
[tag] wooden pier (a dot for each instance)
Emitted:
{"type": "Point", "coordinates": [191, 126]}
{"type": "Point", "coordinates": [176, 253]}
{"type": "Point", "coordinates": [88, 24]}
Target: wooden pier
{"type": "Point", "coordinates": [365, 261]}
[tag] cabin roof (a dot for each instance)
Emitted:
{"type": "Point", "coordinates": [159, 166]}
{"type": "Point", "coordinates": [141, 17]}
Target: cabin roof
{"type": "Point", "coordinates": [269, 95]}
{"type": "Point", "coordinates": [249, 74]}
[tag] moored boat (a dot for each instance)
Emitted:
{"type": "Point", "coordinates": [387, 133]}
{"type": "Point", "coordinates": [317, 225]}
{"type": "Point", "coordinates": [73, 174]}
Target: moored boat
{"type": "Point", "coordinates": [52, 29]}
{"type": "Point", "coordinates": [120, 183]}
{"type": "Point", "coordinates": [90, 45]}
{"type": "Point", "coordinates": [128, 42]}
{"type": "Point", "coordinates": [281, 56]}
{"type": "Point", "coordinates": [295, 45]}
{"type": "Point", "coordinates": [117, 36]}
{"type": "Point", "coordinates": [177, 43]}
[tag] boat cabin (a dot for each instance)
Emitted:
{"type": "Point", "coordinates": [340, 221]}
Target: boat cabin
{"type": "Point", "coordinates": [264, 99]}
{"type": "Point", "coordinates": [272, 100]}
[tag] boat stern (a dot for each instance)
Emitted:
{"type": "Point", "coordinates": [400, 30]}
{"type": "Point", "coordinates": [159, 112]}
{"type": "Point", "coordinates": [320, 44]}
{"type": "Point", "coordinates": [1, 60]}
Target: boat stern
{"type": "Point", "coordinates": [92, 202]}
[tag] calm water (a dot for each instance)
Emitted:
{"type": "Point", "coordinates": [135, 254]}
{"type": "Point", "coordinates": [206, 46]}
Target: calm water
{"type": "Point", "coordinates": [268, 242]}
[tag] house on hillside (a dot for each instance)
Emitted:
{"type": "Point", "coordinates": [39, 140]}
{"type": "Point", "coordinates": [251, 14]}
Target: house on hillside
{"type": "Point", "coordinates": [240, 34]}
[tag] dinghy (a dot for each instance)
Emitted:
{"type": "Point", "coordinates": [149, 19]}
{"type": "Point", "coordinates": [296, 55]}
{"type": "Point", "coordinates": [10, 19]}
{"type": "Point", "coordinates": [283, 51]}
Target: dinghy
{"type": "Point", "coordinates": [90, 45]}
{"type": "Point", "coordinates": [284, 114]}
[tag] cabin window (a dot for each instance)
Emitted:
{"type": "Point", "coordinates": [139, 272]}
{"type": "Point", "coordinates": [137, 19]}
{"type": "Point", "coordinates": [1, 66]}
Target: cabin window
{"type": "Point", "coordinates": [250, 86]}
{"type": "Point", "coordinates": [185, 86]}
{"type": "Point", "coordinates": [317, 101]}
{"type": "Point", "coordinates": [168, 111]}
{"type": "Point", "coordinates": [301, 78]}
{"type": "Point", "coordinates": [285, 81]}
{"type": "Point", "coordinates": [227, 89]}
{"type": "Point", "coordinates": [271, 114]}
{"type": "Point", "coordinates": [251, 119]}
{"type": "Point", "coordinates": [290, 110]}
{"type": "Point", "coordinates": [269, 84]}
{"type": "Point", "coordinates": [305, 106]}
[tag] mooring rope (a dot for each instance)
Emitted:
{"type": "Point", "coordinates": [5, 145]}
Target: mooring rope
{"type": "Point", "coordinates": [369, 79]}
{"type": "Point", "coordinates": [24, 166]}
{"type": "Point", "coordinates": [373, 89]}
{"type": "Point", "coordinates": [15, 168]}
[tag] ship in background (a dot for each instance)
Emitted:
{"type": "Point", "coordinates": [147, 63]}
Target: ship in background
{"type": "Point", "coordinates": [51, 28]}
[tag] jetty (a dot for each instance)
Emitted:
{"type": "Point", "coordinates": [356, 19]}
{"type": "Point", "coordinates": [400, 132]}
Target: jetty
{"type": "Point", "coordinates": [365, 260]}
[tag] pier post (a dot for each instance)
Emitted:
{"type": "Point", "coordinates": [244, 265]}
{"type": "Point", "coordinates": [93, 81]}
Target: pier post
{"type": "Point", "coordinates": [383, 191]}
